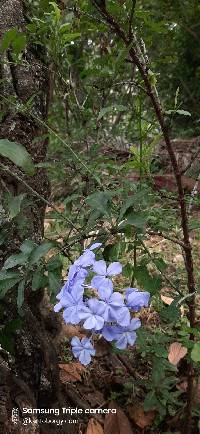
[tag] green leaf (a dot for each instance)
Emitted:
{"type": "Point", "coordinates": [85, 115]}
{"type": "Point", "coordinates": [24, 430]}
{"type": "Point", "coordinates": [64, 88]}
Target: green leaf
{"type": "Point", "coordinates": [14, 260]}
{"type": "Point", "coordinates": [158, 372]}
{"type": "Point", "coordinates": [128, 271]}
{"type": "Point", "coordinates": [54, 263]}
{"type": "Point", "coordinates": [113, 252]}
{"type": "Point", "coordinates": [137, 219]}
{"type": "Point", "coordinates": [70, 37]}
{"type": "Point", "coordinates": [150, 402]}
{"type": "Point", "coordinates": [171, 313]}
{"type": "Point", "coordinates": [38, 279]}
{"type": "Point", "coordinates": [8, 37]}
{"type": "Point", "coordinates": [160, 264]}
{"type": "Point", "coordinates": [54, 282]}
{"type": "Point", "coordinates": [195, 354]}
{"type": "Point", "coordinates": [126, 205]}
{"type": "Point", "coordinates": [17, 154]}
{"type": "Point", "coordinates": [4, 274]}
{"type": "Point", "coordinates": [14, 205]}
{"type": "Point", "coordinates": [40, 251]}
{"type": "Point", "coordinates": [99, 201]}
{"type": "Point", "coordinates": [20, 294]}
{"type": "Point", "coordinates": [19, 43]}
{"type": "Point", "coordinates": [148, 282]}
{"type": "Point", "coordinates": [111, 109]}
{"type": "Point", "coordinates": [27, 246]}
{"type": "Point", "coordinates": [8, 283]}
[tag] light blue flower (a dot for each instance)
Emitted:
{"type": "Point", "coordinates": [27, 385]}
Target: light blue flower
{"type": "Point", "coordinates": [76, 277]}
{"type": "Point", "coordinates": [137, 299]}
{"type": "Point", "coordinates": [104, 274]}
{"type": "Point", "coordinates": [71, 302]}
{"type": "Point", "coordinates": [88, 257]}
{"type": "Point", "coordinates": [115, 308]}
{"type": "Point", "coordinates": [92, 314]}
{"type": "Point", "coordinates": [110, 332]}
{"type": "Point", "coordinates": [122, 336]}
{"type": "Point", "coordinates": [82, 349]}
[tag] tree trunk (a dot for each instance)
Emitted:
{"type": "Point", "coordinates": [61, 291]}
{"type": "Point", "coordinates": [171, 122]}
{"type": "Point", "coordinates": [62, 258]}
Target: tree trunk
{"type": "Point", "coordinates": [30, 377]}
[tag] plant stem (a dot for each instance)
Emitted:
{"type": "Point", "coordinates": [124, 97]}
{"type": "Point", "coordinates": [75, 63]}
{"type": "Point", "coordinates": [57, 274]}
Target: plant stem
{"type": "Point", "coordinates": [138, 60]}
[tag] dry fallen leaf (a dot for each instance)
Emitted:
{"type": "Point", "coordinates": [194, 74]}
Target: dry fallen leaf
{"type": "Point", "coordinates": [117, 423]}
{"type": "Point", "coordinates": [166, 300]}
{"type": "Point", "coordinates": [71, 372]}
{"type": "Point", "coordinates": [140, 417]}
{"type": "Point", "coordinates": [176, 353]}
{"type": "Point", "coordinates": [94, 427]}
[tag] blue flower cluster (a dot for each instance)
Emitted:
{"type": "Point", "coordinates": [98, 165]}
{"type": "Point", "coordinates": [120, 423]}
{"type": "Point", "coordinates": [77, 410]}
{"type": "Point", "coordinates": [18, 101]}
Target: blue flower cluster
{"type": "Point", "coordinates": [107, 312]}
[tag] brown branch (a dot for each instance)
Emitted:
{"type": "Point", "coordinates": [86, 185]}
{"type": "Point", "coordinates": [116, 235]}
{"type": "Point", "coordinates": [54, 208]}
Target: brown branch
{"type": "Point", "coordinates": [181, 198]}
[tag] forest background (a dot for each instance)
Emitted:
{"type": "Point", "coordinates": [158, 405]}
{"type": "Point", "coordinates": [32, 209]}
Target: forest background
{"type": "Point", "coordinates": [100, 129]}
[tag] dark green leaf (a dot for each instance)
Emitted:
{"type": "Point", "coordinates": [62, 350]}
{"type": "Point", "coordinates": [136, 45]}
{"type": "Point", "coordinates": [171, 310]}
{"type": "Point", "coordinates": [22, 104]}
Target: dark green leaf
{"type": "Point", "coordinates": [99, 201]}
{"type": "Point", "coordinates": [54, 282]}
{"type": "Point", "coordinates": [170, 313]}
{"type": "Point", "coordinates": [20, 294]}
{"type": "Point", "coordinates": [14, 260]}
{"type": "Point", "coordinates": [111, 109]}
{"type": "Point", "coordinates": [195, 354]}
{"type": "Point", "coordinates": [14, 205]}
{"type": "Point", "coordinates": [144, 279]}
{"type": "Point", "coordinates": [8, 283]}
{"type": "Point", "coordinates": [17, 154]}
{"type": "Point", "coordinates": [54, 263]}
{"type": "Point", "coordinates": [40, 251]}
{"type": "Point", "coordinates": [126, 205]}
{"type": "Point", "coordinates": [38, 279]}
{"type": "Point", "coordinates": [8, 37]}
{"type": "Point", "coordinates": [28, 246]}
{"type": "Point", "coordinates": [19, 43]}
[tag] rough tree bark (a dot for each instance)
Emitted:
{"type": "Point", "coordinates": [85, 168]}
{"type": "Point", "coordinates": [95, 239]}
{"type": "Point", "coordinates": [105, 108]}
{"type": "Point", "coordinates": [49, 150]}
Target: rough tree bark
{"type": "Point", "coordinates": [30, 378]}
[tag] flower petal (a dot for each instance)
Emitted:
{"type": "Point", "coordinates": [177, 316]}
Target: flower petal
{"type": "Point", "coordinates": [105, 292]}
{"type": "Point", "coordinates": [75, 341]}
{"type": "Point", "coordinates": [121, 342]}
{"type": "Point", "coordinates": [131, 338]}
{"type": "Point", "coordinates": [123, 316]}
{"type": "Point", "coordinates": [95, 246]}
{"type": "Point", "coordinates": [58, 306]}
{"type": "Point", "coordinates": [101, 282]}
{"type": "Point", "coordinates": [135, 324]}
{"type": "Point", "coordinates": [86, 259]}
{"type": "Point", "coordinates": [100, 267]}
{"type": "Point", "coordinates": [85, 357]}
{"type": "Point", "coordinates": [110, 333]}
{"type": "Point", "coordinates": [116, 299]}
{"type": "Point", "coordinates": [114, 269]}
